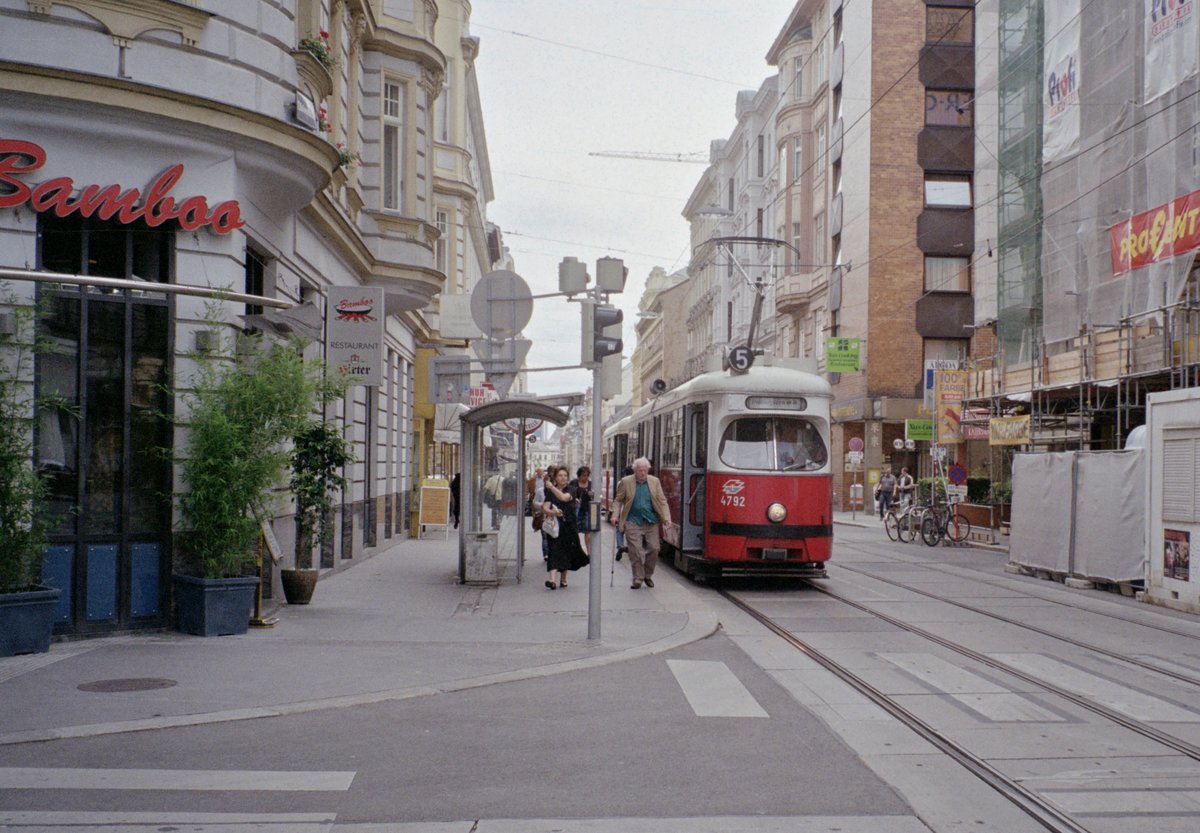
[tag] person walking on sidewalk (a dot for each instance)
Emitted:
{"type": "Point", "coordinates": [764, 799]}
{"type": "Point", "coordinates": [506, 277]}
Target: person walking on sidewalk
{"type": "Point", "coordinates": [885, 491]}
{"type": "Point", "coordinates": [643, 506]}
{"type": "Point", "coordinates": [565, 551]}
{"type": "Point", "coordinates": [619, 538]}
{"type": "Point", "coordinates": [581, 488]}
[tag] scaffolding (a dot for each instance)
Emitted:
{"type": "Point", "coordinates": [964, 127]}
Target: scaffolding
{"type": "Point", "coordinates": [1090, 319]}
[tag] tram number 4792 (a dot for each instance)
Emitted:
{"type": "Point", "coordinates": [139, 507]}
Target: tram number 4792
{"type": "Point", "coordinates": [733, 500]}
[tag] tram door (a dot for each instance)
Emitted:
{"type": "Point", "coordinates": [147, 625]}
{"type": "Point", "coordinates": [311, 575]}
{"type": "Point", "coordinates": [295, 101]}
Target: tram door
{"type": "Point", "coordinates": [695, 466]}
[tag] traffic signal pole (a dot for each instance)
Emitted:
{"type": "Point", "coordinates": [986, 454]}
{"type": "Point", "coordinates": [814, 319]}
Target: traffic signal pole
{"type": "Point", "coordinates": [595, 346]}
{"type": "Point", "coordinates": [595, 568]}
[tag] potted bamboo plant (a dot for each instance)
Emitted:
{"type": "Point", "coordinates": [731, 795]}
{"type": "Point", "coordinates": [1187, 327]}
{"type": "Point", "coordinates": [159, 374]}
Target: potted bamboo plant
{"type": "Point", "coordinates": [26, 605]}
{"type": "Point", "coordinates": [250, 398]}
{"type": "Point", "coordinates": [319, 455]}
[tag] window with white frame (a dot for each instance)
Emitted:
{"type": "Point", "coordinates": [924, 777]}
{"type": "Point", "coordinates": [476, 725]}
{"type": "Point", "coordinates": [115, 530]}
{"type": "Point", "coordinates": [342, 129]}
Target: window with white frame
{"type": "Point", "coordinates": [443, 225]}
{"type": "Point", "coordinates": [800, 78]}
{"type": "Point", "coordinates": [947, 191]}
{"type": "Point", "coordinates": [797, 240]}
{"type": "Point", "coordinates": [797, 158]}
{"type": "Point", "coordinates": [947, 274]}
{"type": "Point", "coordinates": [821, 148]}
{"type": "Point", "coordinates": [819, 237]}
{"type": "Point", "coordinates": [442, 114]}
{"type": "Point", "coordinates": [953, 349]}
{"type": "Point", "coordinates": [393, 145]}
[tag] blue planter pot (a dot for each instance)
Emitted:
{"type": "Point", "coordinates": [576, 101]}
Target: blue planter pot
{"type": "Point", "coordinates": [26, 621]}
{"type": "Point", "coordinates": [214, 606]}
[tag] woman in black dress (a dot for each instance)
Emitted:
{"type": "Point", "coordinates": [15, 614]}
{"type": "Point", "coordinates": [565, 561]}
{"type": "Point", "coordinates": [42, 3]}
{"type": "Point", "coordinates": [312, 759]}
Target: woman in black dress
{"type": "Point", "coordinates": [566, 553]}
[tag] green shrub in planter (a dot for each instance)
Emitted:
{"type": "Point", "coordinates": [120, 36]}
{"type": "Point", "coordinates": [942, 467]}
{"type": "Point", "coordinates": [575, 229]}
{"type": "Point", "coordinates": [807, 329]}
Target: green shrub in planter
{"type": "Point", "coordinates": [26, 606]}
{"type": "Point", "coordinates": [250, 398]}
{"type": "Point", "coordinates": [978, 489]}
{"type": "Point", "coordinates": [319, 454]}
{"type": "Point", "coordinates": [23, 489]}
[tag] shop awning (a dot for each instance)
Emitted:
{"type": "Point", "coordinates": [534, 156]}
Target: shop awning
{"type": "Point", "coordinates": [447, 427]}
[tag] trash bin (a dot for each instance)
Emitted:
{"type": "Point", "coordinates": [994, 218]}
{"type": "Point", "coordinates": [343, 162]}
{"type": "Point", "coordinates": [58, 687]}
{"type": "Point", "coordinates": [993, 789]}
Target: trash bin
{"type": "Point", "coordinates": [482, 558]}
{"type": "Point", "coordinates": [856, 500]}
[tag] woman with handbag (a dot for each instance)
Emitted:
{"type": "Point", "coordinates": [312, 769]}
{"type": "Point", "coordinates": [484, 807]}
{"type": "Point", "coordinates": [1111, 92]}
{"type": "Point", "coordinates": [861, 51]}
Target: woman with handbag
{"type": "Point", "coordinates": [566, 553]}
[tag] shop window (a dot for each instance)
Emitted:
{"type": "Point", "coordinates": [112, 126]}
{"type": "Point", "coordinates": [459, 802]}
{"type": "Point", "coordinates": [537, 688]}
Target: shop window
{"type": "Point", "coordinates": [77, 245]}
{"type": "Point", "coordinates": [256, 270]}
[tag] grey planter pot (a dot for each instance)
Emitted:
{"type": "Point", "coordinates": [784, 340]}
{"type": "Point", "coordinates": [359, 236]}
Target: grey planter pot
{"type": "Point", "coordinates": [26, 621]}
{"type": "Point", "coordinates": [299, 585]}
{"type": "Point", "coordinates": [214, 606]}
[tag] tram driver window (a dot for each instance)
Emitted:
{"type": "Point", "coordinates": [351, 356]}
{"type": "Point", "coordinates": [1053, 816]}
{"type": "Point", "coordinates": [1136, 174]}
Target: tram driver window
{"type": "Point", "coordinates": [773, 444]}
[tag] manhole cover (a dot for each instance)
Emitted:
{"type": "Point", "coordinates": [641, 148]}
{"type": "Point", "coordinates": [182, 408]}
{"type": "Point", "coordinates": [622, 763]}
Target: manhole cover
{"type": "Point", "coordinates": [128, 684]}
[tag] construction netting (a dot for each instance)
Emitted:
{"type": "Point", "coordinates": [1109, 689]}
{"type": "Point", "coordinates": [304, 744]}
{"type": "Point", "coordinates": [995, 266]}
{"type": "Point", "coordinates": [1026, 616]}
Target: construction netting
{"type": "Point", "coordinates": [1120, 174]}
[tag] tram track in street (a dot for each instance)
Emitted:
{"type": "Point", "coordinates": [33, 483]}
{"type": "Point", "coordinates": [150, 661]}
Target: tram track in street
{"type": "Point", "coordinates": [1029, 801]}
{"type": "Point", "coordinates": [991, 583]}
{"type": "Point", "coordinates": [1124, 658]}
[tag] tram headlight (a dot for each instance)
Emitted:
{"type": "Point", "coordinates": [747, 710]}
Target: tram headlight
{"type": "Point", "coordinates": [776, 513]}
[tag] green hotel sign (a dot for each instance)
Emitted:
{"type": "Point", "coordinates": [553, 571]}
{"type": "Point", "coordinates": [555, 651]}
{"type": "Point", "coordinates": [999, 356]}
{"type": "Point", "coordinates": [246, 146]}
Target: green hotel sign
{"type": "Point", "coordinates": [841, 355]}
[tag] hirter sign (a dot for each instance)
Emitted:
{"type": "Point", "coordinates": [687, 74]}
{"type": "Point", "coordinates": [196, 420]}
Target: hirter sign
{"type": "Point", "coordinates": [61, 195]}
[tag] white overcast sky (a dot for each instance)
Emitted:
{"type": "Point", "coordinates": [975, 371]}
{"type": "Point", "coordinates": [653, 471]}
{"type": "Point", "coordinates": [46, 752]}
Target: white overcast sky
{"type": "Point", "coordinates": [561, 78]}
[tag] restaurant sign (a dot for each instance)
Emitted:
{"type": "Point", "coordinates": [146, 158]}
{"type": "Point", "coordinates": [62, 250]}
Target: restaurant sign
{"type": "Point", "coordinates": [63, 197]}
{"type": "Point", "coordinates": [354, 333]}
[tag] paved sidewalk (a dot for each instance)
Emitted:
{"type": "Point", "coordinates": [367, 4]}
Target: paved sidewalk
{"type": "Point", "coordinates": [395, 626]}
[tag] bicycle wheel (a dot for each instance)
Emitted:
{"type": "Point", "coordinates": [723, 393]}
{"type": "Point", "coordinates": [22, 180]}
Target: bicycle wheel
{"type": "Point", "coordinates": [904, 527]}
{"type": "Point", "coordinates": [892, 525]}
{"type": "Point", "coordinates": [931, 531]}
{"type": "Point", "coordinates": [958, 528]}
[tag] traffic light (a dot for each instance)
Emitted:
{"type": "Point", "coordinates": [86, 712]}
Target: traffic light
{"type": "Point", "coordinates": [596, 343]}
{"type": "Point", "coordinates": [606, 331]}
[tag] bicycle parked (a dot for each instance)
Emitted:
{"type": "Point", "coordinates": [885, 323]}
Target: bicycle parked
{"type": "Point", "coordinates": [904, 525]}
{"type": "Point", "coordinates": [944, 521]}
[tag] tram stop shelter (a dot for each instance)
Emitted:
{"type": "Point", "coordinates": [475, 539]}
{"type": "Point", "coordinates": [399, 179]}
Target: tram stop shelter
{"type": "Point", "coordinates": [492, 487]}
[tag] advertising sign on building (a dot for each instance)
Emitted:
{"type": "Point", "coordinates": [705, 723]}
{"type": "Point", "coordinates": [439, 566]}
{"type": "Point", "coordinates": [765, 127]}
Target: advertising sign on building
{"type": "Point", "coordinates": [354, 333]}
{"type": "Point", "coordinates": [842, 355]}
{"type": "Point", "coordinates": [950, 389]}
{"type": "Point", "coordinates": [1060, 92]}
{"type": "Point", "coordinates": [1170, 40]}
{"type": "Point", "coordinates": [932, 366]}
{"type": "Point", "coordinates": [1160, 233]}
{"type": "Point", "coordinates": [1010, 430]}
{"type": "Point", "coordinates": [918, 430]}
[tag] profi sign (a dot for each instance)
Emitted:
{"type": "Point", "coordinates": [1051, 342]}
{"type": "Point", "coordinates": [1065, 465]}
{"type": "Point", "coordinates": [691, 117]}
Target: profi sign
{"type": "Point", "coordinates": [354, 333]}
{"type": "Point", "coordinates": [107, 201]}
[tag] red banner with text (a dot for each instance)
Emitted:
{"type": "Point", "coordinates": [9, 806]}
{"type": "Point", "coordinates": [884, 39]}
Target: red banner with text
{"type": "Point", "coordinates": [1160, 233]}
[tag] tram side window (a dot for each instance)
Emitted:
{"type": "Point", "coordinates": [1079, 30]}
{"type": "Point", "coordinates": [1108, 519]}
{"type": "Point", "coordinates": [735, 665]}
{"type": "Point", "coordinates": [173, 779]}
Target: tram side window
{"type": "Point", "coordinates": [773, 444]}
{"type": "Point", "coordinates": [699, 439]}
{"type": "Point", "coordinates": [672, 440]}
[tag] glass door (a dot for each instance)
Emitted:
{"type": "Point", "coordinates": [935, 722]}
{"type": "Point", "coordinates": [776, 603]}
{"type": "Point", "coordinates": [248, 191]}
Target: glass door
{"type": "Point", "coordinates": [695, 468]}
{"type": "Point", "coordinates": [105, 439]}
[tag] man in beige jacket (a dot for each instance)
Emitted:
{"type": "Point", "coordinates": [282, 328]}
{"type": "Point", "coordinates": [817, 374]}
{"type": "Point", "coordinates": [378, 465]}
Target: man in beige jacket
{"type": "Point", "coordinates": [643, 506]}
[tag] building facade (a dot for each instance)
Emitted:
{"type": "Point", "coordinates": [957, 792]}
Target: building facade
{"type": "Point", "coordinates": [277, 150]}
{"type": "Point", "coordinates": [1095, 303]}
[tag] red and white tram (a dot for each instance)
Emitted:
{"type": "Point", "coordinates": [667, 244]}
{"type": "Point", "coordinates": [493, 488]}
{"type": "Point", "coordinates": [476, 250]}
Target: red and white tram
{"type": "Point", "coordinates": [744, 461]}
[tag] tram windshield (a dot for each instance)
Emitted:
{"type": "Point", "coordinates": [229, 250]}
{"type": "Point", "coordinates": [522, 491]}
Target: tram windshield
{"type": "Point", "coordinates": [769, 443]}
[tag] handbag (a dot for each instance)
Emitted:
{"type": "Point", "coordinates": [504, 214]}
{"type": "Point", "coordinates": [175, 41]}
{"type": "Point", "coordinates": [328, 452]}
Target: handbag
{"type": "Point", "coordinates": [538, 519]}
{"type": "Point", "coordinates": [550, 526]}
